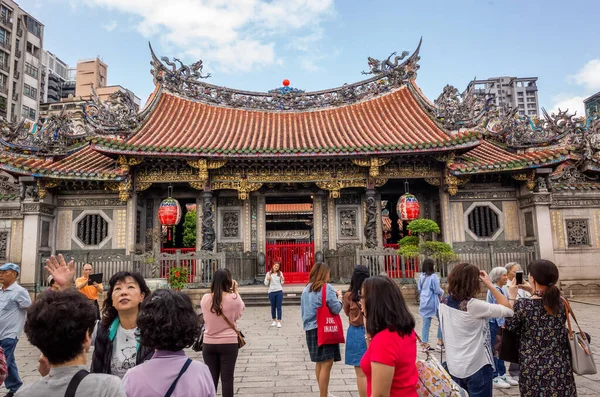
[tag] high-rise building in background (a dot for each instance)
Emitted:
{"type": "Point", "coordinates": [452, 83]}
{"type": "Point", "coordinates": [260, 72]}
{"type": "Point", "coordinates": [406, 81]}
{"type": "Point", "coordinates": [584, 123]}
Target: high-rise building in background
{"type": "Point", "coordinates": [77, 87]}
{"type": "Point", "coordinates": [54, 77]}
{"type": "Point", "coordinates": [592, 104]}
{"type": "Point", "coordinates": [516, 92]}
{"type": "Point", "coordinates": [21, 46]}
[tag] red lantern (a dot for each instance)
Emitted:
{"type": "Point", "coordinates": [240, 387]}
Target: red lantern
{"type": "Point", "coordinates": [286, 82]}
{"type": "Point", "coordinates": [169, 215]}
{"type": "Point", "coordinates": [408, 207]}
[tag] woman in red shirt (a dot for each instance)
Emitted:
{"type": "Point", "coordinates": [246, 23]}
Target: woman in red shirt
{"type": "Point", "coordinates": [389, 362]}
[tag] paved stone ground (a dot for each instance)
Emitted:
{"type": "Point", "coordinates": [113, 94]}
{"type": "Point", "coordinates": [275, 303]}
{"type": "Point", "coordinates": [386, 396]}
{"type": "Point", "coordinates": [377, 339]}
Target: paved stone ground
{"type": "Point", "coordinates": [275, 361]}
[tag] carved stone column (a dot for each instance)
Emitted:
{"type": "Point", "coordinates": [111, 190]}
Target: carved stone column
{"type": "Point", "coordinates": [317, 222]}
{"type": "Point", "coordinates": [208, 222]}
{"type": "Point", "coordinates": [370, 219]}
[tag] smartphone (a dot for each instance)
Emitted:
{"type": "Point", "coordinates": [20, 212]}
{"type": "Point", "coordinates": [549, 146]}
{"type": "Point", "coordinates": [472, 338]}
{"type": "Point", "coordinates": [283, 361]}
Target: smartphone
{"type": "Point", "coordinates": [519, 277]}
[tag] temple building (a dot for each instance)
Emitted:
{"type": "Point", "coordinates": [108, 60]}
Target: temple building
{"type": "Point", "coordinates": [289, 175]}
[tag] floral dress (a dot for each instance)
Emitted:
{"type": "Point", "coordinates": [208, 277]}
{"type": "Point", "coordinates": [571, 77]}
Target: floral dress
{"type": "Point", "coordinates": [544, 354]}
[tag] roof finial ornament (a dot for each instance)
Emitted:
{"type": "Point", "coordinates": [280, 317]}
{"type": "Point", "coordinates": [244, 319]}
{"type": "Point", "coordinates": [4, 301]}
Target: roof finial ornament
{"type": "Point", "coordinates": [176, 78]}
{"type": "Point", "coordinates": [116, 116]}
{"type": "Point", "coordinates": [396, 72]}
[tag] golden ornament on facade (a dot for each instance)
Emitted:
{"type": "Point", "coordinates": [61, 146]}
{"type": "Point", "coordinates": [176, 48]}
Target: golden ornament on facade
{"type": "Point", "coordinates": [433, 181]}
{"type": "Point", "coordinates": [395, 171]}
{"type": "Point", "coordinates": [127, 162]}
{"type": "Point", "coordinates": [374, 164]}
{"type": "Point", "coordinates": [241, 185]}
{"type": "Point", "coordinates": [452, 182]}
{"type": "Point", "coordinates": [123, 187]}
{"type": "Point", "coordinates": [528, 177]}
{"type": "Point", "coordinates": [141, 186]}
{"type": "Point", "coordinates": [44, 185]}
{"type": "Point", "coordinates": [203, 165]}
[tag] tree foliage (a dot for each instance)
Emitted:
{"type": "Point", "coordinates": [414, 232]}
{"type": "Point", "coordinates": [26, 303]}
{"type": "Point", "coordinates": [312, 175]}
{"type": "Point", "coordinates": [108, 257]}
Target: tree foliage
{"type": "Point", "coordinates": [413, 246]}
{"type": "Point", "coordinates": [423, 226]}
{"type": "Point", "coordinates": [189, 229]}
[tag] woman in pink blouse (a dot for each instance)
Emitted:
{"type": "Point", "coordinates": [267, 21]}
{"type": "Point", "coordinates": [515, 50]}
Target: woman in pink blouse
{"type": "Point", "coordinates": [220, 349]}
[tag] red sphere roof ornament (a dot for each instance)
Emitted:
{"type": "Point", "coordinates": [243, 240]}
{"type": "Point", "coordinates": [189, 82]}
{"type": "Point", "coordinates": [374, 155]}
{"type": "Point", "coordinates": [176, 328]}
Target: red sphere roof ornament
{"type": "Point", "coordinates": [286, 82]}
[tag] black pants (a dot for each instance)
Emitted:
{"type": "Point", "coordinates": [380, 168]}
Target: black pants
{"type": "Point", "coordinates": [221, 362]}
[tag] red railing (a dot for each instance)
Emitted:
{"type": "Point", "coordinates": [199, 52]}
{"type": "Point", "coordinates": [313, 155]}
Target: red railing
{"type": "Point", "coordinates": [167, 264]}
{"type": "Point", "coordinates": [296, 260]}
{"type": "Point", "coordinates": [393, 266]}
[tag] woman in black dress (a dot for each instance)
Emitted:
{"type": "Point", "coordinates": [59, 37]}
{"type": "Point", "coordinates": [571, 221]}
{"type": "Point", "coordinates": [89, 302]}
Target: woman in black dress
{"type": "Point", "coordinates": [544, 353]}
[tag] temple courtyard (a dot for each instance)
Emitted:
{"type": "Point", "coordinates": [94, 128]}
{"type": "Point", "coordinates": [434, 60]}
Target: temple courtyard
{"type": "Point", "coordinates": [275, 361]}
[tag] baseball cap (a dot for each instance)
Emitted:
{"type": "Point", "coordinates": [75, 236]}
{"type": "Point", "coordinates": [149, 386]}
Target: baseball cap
{"type": "Point", "coordinates": [11, 266]}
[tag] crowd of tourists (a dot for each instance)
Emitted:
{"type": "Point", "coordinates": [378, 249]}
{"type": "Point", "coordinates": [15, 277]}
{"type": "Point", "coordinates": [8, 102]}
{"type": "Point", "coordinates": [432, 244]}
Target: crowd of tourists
{"type": "Point", "coordinates": [140, 338]}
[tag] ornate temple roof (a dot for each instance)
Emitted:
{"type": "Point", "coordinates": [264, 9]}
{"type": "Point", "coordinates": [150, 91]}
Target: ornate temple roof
{"type": "Point", "coordinates": [488, 157]}
{"type": "Point", "coordinates": [390, 123]}
{"type": "Point", "coordinates": [85, 164]}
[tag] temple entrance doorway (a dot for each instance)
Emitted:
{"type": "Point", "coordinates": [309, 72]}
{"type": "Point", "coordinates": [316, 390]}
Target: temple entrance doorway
{"type": "Point", "coordinates": [289, 236]}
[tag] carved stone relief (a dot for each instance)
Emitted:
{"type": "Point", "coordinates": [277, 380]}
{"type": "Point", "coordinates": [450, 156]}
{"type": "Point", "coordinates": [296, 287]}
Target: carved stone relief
{"type": "Point", "coordinates": [3, 245]}
{"type": "Point", "coordinates": [254, 214]}
{"type": "Point", "coordinates": [346, 199]}
{"type": "Point", "coordinates": [208, 224]}
{"type": "Point", "coordinates": [229, 202]}
{"type": "Point", "coordinates": [348, 219]}
{"type": "Point", "coordinates": [577, 233]}
{"type": "Point", "coordinates": [325, 221]}
{"type": "Point", "coordinates": [230, 224]}
{"type": "Point", "coordinates": [90, 202]}
{"type": "Point", "coordinates": [288, 234]}
{"type": "Point", "coordinates": [370, 230]}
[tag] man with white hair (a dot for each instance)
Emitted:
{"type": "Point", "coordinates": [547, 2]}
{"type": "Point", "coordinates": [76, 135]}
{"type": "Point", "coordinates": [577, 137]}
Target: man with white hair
{"type": "Point", "coordinates": [498, 276]}
{"type": "Point", "coordinates": [511, 270]}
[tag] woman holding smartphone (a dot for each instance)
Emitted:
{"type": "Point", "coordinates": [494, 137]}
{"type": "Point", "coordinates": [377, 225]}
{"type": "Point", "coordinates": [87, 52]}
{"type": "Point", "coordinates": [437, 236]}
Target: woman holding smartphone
{"type": "Point", "coordinates": [274, 280]}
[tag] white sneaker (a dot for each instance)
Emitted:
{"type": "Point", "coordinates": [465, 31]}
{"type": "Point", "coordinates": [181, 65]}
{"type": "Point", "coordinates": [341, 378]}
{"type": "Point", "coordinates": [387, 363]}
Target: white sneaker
{"type": "Point", "coordinates": [330, 395]}
{"type": "Point", "coordinates": [278, 325]}
{"type": "Point", "coordinates": [274, 323]}
{"type": "Point", "coordinates": [500, 383]}
{"type": "Point", "coordinates": [508, 379]}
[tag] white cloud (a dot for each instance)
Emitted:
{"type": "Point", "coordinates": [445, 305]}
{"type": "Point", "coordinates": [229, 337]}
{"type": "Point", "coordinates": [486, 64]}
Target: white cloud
{"type": "Point", "coordinates": [234, 35]}
{"type": "Point", "coordinates": [589, 75]}
{"type": "Point", "coordinates": [588, 78]}
{"type": "Point", "coordinates": [109, 27]}
{"type": "Point", "coordinates": [573, 104]}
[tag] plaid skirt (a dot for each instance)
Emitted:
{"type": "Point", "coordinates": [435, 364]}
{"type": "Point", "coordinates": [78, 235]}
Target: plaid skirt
{"type": "Point", "coordinates": [321, 353]}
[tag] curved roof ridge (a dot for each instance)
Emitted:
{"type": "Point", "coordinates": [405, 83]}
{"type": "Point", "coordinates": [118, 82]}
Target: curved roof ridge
{"type": "Point", "coordinates": [186, 81]}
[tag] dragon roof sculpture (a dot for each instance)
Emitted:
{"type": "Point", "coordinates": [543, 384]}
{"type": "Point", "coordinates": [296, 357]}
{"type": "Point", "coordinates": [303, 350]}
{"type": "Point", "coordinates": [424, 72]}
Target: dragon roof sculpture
{"type": "Point", "coordinates": [117, 116]}
{"type": "Point", "coordinates": [186, 81]}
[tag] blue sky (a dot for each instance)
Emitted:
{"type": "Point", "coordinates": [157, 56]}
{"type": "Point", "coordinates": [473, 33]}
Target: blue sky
{"type": "Point", "coordinates": [319, 44]}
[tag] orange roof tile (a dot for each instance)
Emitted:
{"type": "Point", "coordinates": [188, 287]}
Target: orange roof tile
{"type": "Point", "coordinates": [86, 163]}
{"type": "Point", "coordinates": [392, 123]}
{"type": "Point", "coordinates": [488, 157]}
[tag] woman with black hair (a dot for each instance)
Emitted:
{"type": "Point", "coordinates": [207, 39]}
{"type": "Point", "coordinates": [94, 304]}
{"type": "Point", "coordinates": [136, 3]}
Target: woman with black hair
{"type": "Point", "coordinates": [355, 338]}
{"type": "Point", "coordinates": [223, 306]}
{"type": "Point", "coordinates": [389, 362]}
{"type": "Point", "coordinates": [430, 294]}
{"type": "Point", "coordinates": [544, 355]}
{"type": "Point", "coordinates": [116, 348]}
{"type": "Point", "coordinates": [167, 324]}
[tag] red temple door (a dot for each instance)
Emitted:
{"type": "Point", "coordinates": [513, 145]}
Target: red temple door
{"type": "Point", "coordinates": [296, 259]}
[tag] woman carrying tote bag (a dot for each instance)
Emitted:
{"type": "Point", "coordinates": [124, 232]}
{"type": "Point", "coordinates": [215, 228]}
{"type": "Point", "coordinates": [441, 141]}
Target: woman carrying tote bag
{"type": "Point", "coordinates": [323, 355]}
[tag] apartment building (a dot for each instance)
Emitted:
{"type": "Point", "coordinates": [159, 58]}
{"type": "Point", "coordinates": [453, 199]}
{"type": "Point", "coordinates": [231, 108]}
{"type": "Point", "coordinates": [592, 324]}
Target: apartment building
{"type": "Point", "coordinates": [78, 88]}
{"type": "Point", "coordinates": [21, 44]}
{"type": "Point", "coordinates": [55, 74]}
{"type": "Point", "coordinates": [592, 104]}
{"type": "Point", "coordinates": [517, 92]}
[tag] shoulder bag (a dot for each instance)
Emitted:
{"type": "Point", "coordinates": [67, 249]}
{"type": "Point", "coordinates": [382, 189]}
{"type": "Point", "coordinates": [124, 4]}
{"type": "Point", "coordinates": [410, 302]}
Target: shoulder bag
{"type": "Point", "coordinates": [582, 359]}
{"type": "Point", "coordinates": [199, 342]}
{"type": "Point", "coordinates": [240, 335]}
{"type": "Point", "coordinates": [74, 383]}
{"type": "Point", "coordinates": [174, 384]}
{"type": "Point", "coordinates": [434, 380]}
{"type": "Point", "coordinates": [506, 346]}
{"type": "Point", "coordinates": [330, 330]}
